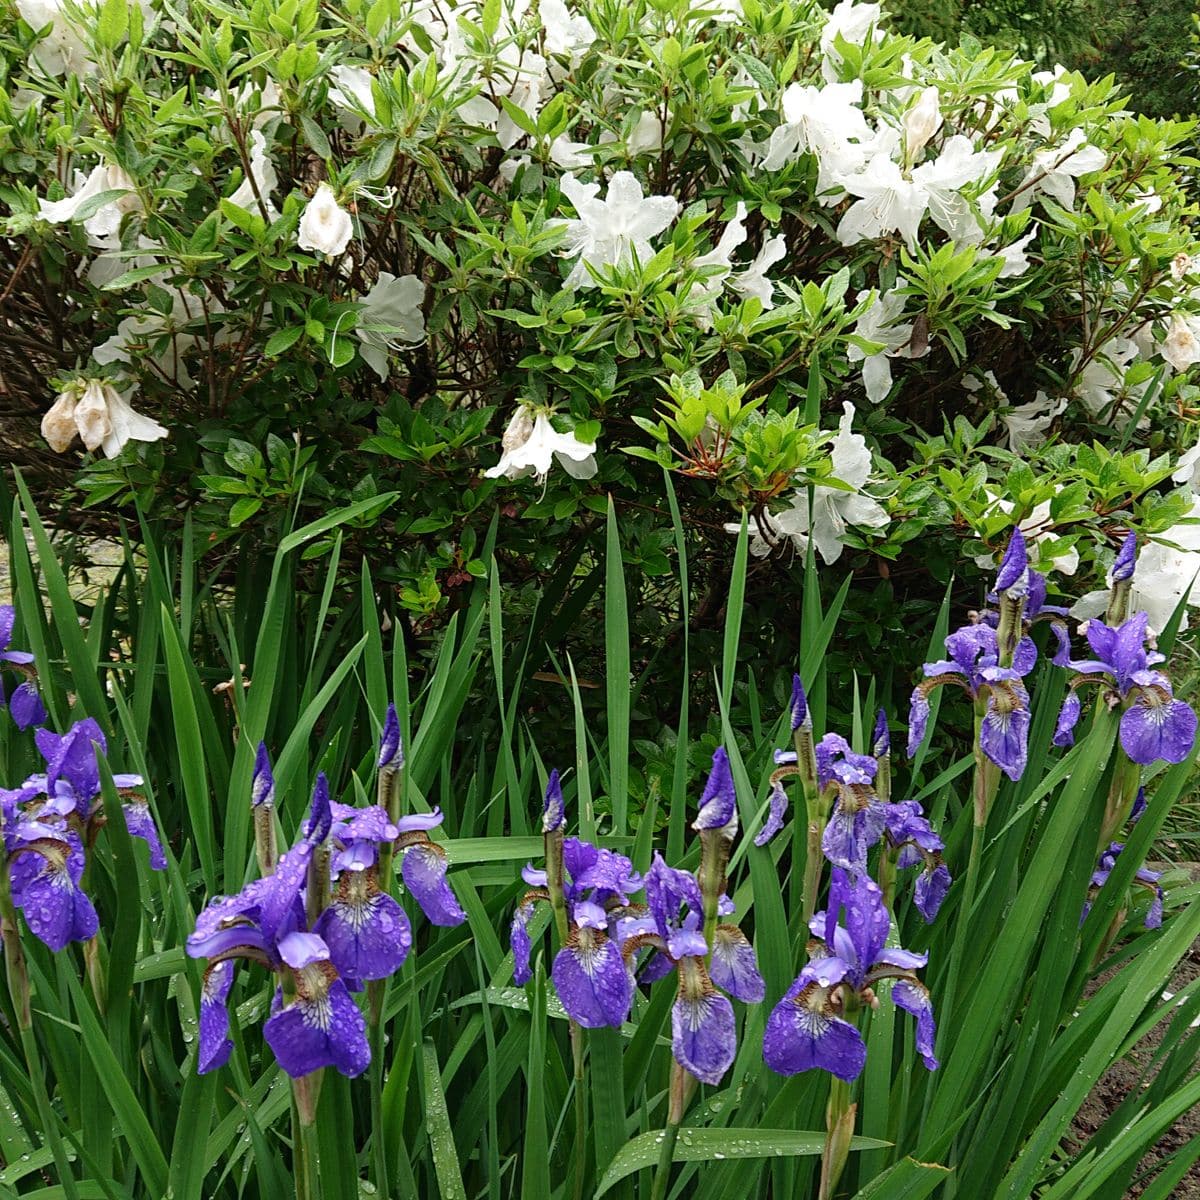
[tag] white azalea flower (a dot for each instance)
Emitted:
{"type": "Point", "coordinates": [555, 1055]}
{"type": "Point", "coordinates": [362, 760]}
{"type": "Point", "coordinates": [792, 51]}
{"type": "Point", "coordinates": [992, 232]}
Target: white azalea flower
{"type": "Point", "coordinates": [1103, 378]}
{"type": "Point", "coordinates": [883, 322]}
{"type": "Point", "coordinates": [352, 96]}
{"type": "Point", "coordinates": [753, 280]}
{"type": "Point", "coordinates": [101, 416]}
{"type": "Point", "coordinates": [1038, 529]}
{"type": "Point", "coordinates": [62, 50]}
{"type": "Point", "coordinates": [1026, 425]}
{"type": "Point", "coordinates": [531, 444]}
{"type": "Point", "coordinates": [390, 315]}
{"type": "Point", "coordinates": [565, 33]}
{"type": "Point", "coordinates": [609, 232]}
{"type": "Point", "coordinates": [1181, 347]}
{"type": "Point", "coordinates": [1187, 470]}
{"type": "Point", "coordinates": [325, 226]}
{"type": "Point", "coordinates": [823, 121]}
{"type": "Point", "coordinates": [103, 226]}
{"type": "Point", "coordinates": [921, 122]}
{"type": "Point", "coordinates": [1055, 169]}
{"type": "Point", "coordinates": [888, 203]}
{"type": "Point", "coordinates": [942, 179]}
{"type": "Point", "coordinates": [1165, 574]}
{"type": "Point", "coordinates": [833, 509]}
{"type": "Point", "coordinates": [646, 136]}
{"type": "Point", "coordinates": [164, 336]}
{"type": "Point", "coordinates": [1016, 260]}
{"type": "Point", "coordinates": [853, 23]}
{"type": "Point", "coordinates": [265, 180]}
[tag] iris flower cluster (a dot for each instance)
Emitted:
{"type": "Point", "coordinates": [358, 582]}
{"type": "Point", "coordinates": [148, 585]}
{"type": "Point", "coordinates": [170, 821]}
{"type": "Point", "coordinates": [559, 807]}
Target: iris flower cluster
{"type": "Point", "coordinates": [855, 817]}
{"type": "Point", "coordinates": [49, 825]}
{"type": "Point", "coordinates": [808, 1028]}
{"type": "Point", "coordinates": [321, 922]}
{"type": "Point", "coordinates": [24, 703]}
{"type": "Point", "coordinates": [595, 973]}
{"type": "Point", "coordinates": [1154, 725]}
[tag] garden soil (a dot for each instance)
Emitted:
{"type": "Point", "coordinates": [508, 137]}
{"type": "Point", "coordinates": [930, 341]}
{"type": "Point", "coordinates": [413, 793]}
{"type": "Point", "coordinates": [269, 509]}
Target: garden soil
{"type": "Point", "coordinates": [1123, 1077]}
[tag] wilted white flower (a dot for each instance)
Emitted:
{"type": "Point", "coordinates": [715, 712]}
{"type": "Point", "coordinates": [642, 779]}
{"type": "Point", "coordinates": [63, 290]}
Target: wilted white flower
{"type": "Point", "coordinates": [390, 315]}
{"type": "Point", "coordinates": [608, 232]}
{"type": "Point", "coordinates": [889, 203]}
{"type": "Point", "coordinates": [101, 416]}
{"type": "Point", "coordinates": [1103, 377]}
{"type": "Point", "coordinates": [1055, 169]}
{"type": "Point", "coordinates": [265, 180]}
{"type": "Point", "coordinates": [531, 444]}
{"type": "Point", "coordinates": [834, 509]}
{"type": "Point", "coordinates": [921, 122]}
{"type": "Point", "coordinates": [325, 226]}
{"type": "Point", "coordinates": [1181, 347]}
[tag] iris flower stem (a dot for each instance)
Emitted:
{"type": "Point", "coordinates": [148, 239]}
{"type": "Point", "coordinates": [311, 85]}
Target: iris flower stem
{"type": "Point", "coordinates": [576, 1035]}
{"type": "Point", "coordinates": [1121, 795]}
{"type": "Point", "coordinates": [815, 817]}
{"type": "Point", "coordinates": [305, 1093]}
{"type": "Point", "coordinates": [675, 1107]}
{"type": "Point", "coordinates": [376, 998]}
{"type": "Point", "coordinates": [839, 1121]}
{"type": "Point", "coordinates": [18, 988]}
{"type": "Point", "coordinates": [986, 782]}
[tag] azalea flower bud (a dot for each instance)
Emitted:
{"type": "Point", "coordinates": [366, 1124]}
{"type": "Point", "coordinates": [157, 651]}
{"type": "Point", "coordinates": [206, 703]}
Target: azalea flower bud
{"type": "Point", "coordinates": [921, 122]}
{"type": "Point", "coordinates": [325, 226]}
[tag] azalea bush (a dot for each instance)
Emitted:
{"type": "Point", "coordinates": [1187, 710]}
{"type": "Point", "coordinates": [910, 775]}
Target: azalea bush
{"type": "Point", "coordinates": [288, 911]}
{"type": "Point", "coordinates": [507, 258]}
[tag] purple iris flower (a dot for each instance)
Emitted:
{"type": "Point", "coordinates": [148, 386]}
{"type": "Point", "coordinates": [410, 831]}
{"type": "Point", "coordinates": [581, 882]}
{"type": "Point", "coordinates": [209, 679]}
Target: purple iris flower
{"type": "Point", "coordinates": [46, 863]}
{"type": "Point", "coordinates": [776, 814]}
{"type": "Point", "coordinates": [881, 738]}
{"type": "Point", "coordinates": [391, 751]}
{"type": "Point", "coordinates": [718, 804]}
{"type": "Point", "coordinates": [800, 713]}
{"type": "Point", "coordinates": [554, 814]}
{"type": "Point", "coordinates": [858, 818]}
{"type": "Point", "coordinates": [807, 1029]}
{"type": "Point", "coordinates": [70, 786]}
{"type": "Point", "coordinates": [320, 1025]}
{"type": "Point", "coordinates": [703, 1029]}
{"type": "Point", "coordinates": [974, 666]}
{"type": "Point", "coordinates": [1126, 560]}
{"type": "Point", "coordinates": [589, 972]}
{"type": "Point", "coordinates": [1012, 579]}
{"type": "Point", "coordinates": [1154, 724]}
{"type": "Point", "coordinates": [909, 829]}
{"type": "Point", "coordinates": [25, 704]}
{"type": "Point", "coordinates": [1143, 878]}
{"type": "Point", "coordinates": [366, 932]}
{"type": "Point", "coordinates": [262, 782]}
